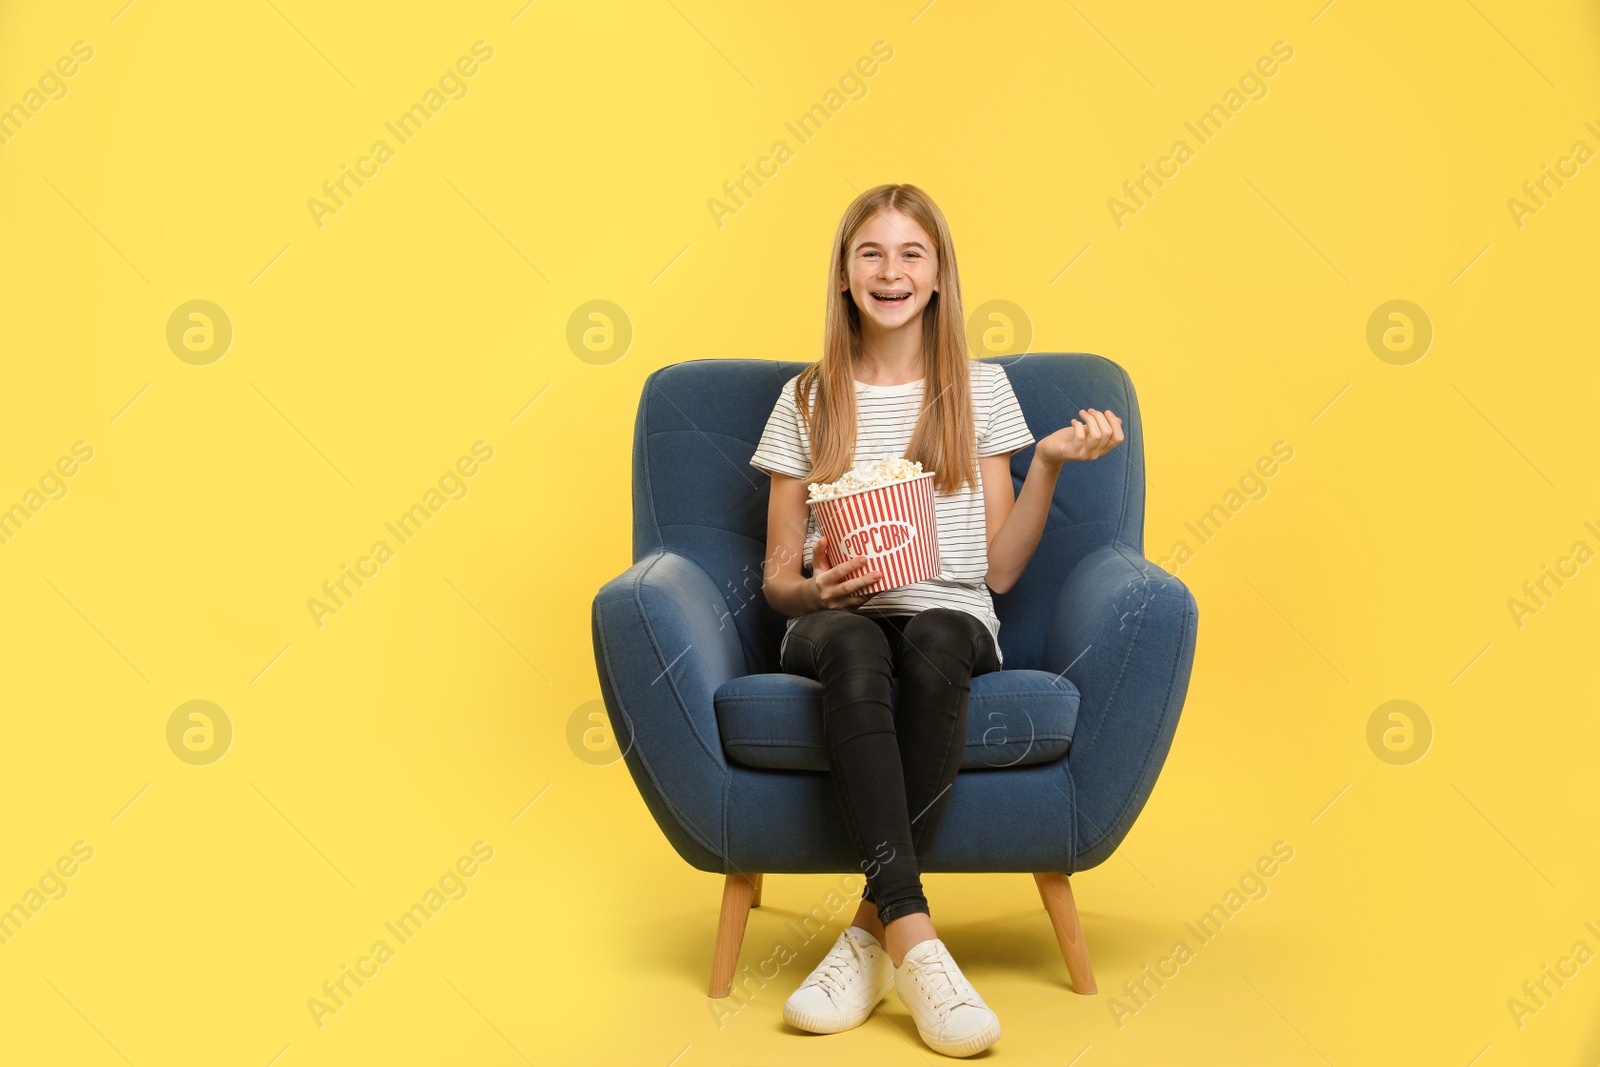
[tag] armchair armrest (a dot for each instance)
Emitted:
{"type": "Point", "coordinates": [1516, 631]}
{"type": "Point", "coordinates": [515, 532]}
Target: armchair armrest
{"type": "Point", "coordinates": [1124, 633]}
{"type": "Point", "coordinates": [661, 649]}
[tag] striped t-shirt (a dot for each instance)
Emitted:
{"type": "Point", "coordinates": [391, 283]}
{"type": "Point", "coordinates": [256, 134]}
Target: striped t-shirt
{"type": "Point", "coordinates": [886, 415]}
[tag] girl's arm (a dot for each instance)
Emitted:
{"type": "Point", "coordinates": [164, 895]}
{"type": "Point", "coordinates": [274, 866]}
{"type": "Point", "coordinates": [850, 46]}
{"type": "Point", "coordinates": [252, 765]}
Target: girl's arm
{"type": "Point", "coordinates": [1015, 525]}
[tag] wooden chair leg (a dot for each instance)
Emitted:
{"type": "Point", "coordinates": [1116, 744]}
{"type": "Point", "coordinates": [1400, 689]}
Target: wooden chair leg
{"type": "Point", "coordinates": [737, 890]}
{"type": "Point", "coordinates": [755, 897]}
{"type": "Point", "coordinates": [1056, 891]}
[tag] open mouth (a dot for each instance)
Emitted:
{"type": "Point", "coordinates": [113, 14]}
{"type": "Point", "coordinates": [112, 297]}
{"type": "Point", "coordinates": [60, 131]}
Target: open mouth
{"type": "Point", "coordinates": [891, 298]}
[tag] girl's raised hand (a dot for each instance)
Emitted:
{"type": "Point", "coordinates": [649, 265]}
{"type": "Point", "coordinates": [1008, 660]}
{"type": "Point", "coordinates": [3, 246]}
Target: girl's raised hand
{"type": "Point", "coordinates": [1097, 434]}
{"type": "Point", "coordinates": [837, 585]}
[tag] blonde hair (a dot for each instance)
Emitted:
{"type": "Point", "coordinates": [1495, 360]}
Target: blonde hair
{"type": "Point", "coordinates": [944, 439]}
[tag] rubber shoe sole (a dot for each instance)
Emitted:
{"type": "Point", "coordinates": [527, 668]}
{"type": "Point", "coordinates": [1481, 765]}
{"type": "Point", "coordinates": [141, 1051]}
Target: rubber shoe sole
{"type": "Point", "coordinates": [817, 1024]}
{"type": "Point", "coordinates": [969, 1047]}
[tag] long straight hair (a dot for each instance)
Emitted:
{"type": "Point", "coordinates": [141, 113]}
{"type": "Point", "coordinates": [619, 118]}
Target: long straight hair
{"type": "Point", "coordinates": [944, 440]}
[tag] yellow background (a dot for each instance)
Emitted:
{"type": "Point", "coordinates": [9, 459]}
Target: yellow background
{"type": "Point", "coordinates": [432, 711]}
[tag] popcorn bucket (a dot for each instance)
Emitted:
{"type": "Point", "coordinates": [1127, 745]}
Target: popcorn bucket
{"type": "Point", "coordinates": [893, 525]}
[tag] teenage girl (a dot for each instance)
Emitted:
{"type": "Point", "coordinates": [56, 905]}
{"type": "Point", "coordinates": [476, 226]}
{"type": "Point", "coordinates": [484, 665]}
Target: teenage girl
{"type": "Point", "coordinates": [895, 380]}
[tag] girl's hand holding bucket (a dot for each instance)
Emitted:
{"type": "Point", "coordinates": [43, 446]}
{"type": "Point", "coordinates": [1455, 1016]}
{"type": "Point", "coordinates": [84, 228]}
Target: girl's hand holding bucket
{"type": "Point", "coordinates": [837, 585]}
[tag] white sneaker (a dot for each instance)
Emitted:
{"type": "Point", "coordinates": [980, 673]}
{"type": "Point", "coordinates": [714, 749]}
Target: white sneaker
{"type": "Point", "coordinates": [849, 982]}
{"type": "Point", "coordinates": [949, 1014]}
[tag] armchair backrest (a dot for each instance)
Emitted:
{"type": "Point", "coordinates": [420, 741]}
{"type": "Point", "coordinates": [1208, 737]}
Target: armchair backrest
{"type": "Point", "coordinates": [695, 493]}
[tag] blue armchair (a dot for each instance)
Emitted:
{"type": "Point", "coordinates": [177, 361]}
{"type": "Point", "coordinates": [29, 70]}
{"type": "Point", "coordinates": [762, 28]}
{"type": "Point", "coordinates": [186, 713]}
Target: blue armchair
{"type": "Point", "coordinates": [1063, 745]}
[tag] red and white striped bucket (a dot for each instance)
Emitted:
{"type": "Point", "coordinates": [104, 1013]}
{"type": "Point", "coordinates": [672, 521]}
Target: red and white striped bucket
{"type": "Point", "coordinates": [894, 526]}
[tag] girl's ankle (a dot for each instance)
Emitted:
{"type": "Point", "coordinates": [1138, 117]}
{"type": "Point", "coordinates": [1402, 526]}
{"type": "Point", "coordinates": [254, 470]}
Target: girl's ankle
{"type": "Point", "coordinates": [866, 918]}
{"type": "Point", "coordinates": [907, 935]}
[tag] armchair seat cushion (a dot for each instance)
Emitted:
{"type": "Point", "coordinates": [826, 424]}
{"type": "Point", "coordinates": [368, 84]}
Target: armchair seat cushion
{"type": "Point", "coordinates": [1014, 718]}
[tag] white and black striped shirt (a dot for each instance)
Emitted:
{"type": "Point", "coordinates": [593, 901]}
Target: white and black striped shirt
{"type": "Point", "coordinates": [885, 417]}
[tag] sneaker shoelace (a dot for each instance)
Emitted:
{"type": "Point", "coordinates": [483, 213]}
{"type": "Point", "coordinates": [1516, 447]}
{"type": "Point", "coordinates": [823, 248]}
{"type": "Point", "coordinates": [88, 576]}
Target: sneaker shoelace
{"type": "Point", "coordinates": [831, 975]}
{"type": "Point", "coordinates": [954, 990]}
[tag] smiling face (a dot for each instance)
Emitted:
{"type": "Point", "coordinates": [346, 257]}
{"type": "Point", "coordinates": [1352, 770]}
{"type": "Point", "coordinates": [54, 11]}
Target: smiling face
{"type": "Point", "coordinates": [891, 271]}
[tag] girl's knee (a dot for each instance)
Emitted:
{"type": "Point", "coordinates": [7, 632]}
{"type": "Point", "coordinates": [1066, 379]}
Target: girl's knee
{"type": "Point", "coordinates": [947, 631]}
{"type": "Point", "coordinates": [852, 636]}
